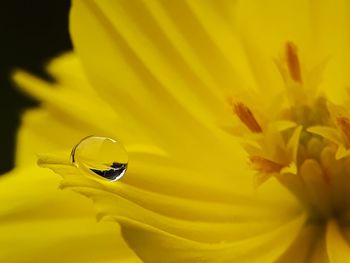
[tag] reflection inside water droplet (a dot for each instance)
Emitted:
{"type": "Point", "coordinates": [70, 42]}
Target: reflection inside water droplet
{"type": "Point", "coordinates": [101, 156]}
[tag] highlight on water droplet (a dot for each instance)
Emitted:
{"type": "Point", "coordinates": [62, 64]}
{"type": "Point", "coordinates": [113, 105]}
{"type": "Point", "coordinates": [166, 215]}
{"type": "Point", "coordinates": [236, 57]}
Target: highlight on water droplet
{"type": "Point", "coordinates": [101, 156]}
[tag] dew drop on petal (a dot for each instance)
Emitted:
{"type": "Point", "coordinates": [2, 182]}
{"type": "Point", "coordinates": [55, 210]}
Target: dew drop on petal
{"type": "Point", "coordinates": [101, 156]}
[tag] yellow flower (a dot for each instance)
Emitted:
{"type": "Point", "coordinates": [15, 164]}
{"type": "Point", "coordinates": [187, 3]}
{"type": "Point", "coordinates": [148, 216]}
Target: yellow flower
{"type": "Point", "coordinates": [194, 89]}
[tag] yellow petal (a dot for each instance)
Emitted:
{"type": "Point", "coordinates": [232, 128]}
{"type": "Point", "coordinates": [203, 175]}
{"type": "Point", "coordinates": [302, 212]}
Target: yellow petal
{"type": "Point", "coordinates": [154, 245]}
{"type": "Point", "coordinates": [79, 110]}
{"type": "Point", "coordinates": [40, 223]}
{"type": "Point", "coordinates": [257, 20]}
{"type": "Point", "coordinates": [67, 70]}
{"type": "Point", "coordinates": [212, 214]}
{"type": "Point", "coordinates": [162, 175]}
{"type": "Point", "coordinates": [80, 114]}
{"type": "Point", "coordinates": [338, 247]}
{"type": "Point", "coordinates": [67, 114]}
{"type": "Point", "coordinates": [153, 76]}
{"type": "Point", "coordinates": [302, 248]}
{"type": "Point", "coordinates": [149, 62]}
{"type": "Point", "coordinates": [319, 252]}
{"type": "Point", "coordinates": [40, 131]}
{"type": "Point", "coordinates": [331, 38]}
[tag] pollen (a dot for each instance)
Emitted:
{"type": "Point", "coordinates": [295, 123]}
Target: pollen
{"type": "Point", "coordinates": [246, 117]}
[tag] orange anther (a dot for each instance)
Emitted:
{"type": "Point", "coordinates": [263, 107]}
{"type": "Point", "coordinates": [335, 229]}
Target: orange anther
{"type": "Point", "coordinates": [247, 117]}
{"type": "Point", "coordinates": [293, 62]}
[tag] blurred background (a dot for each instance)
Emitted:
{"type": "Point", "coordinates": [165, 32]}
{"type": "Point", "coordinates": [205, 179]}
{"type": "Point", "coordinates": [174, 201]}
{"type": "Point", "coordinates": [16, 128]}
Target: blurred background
{"type": "Point", "coordinates": [31, 32]}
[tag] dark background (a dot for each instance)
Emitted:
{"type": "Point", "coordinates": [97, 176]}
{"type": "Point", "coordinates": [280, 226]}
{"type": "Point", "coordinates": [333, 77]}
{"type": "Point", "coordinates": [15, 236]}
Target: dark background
{"type": "Point", "coordinates": [31, 32]}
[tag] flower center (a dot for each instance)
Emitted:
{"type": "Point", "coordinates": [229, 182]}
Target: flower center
{"type": "Point", "coordinates": [305, 145]}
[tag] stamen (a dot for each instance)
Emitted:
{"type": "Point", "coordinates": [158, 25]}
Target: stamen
{"type": "Point", "coordinates": [344, 124]}
{"type": "Point", "coordinates": [247, 117]}
{"type": "Point", "coordinates": [293, 62]}
{"type": "Point", "coordinates": [265, 166]}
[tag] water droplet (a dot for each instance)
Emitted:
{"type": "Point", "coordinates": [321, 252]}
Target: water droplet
{"type": "Point", "coordinates": [101, 156]}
